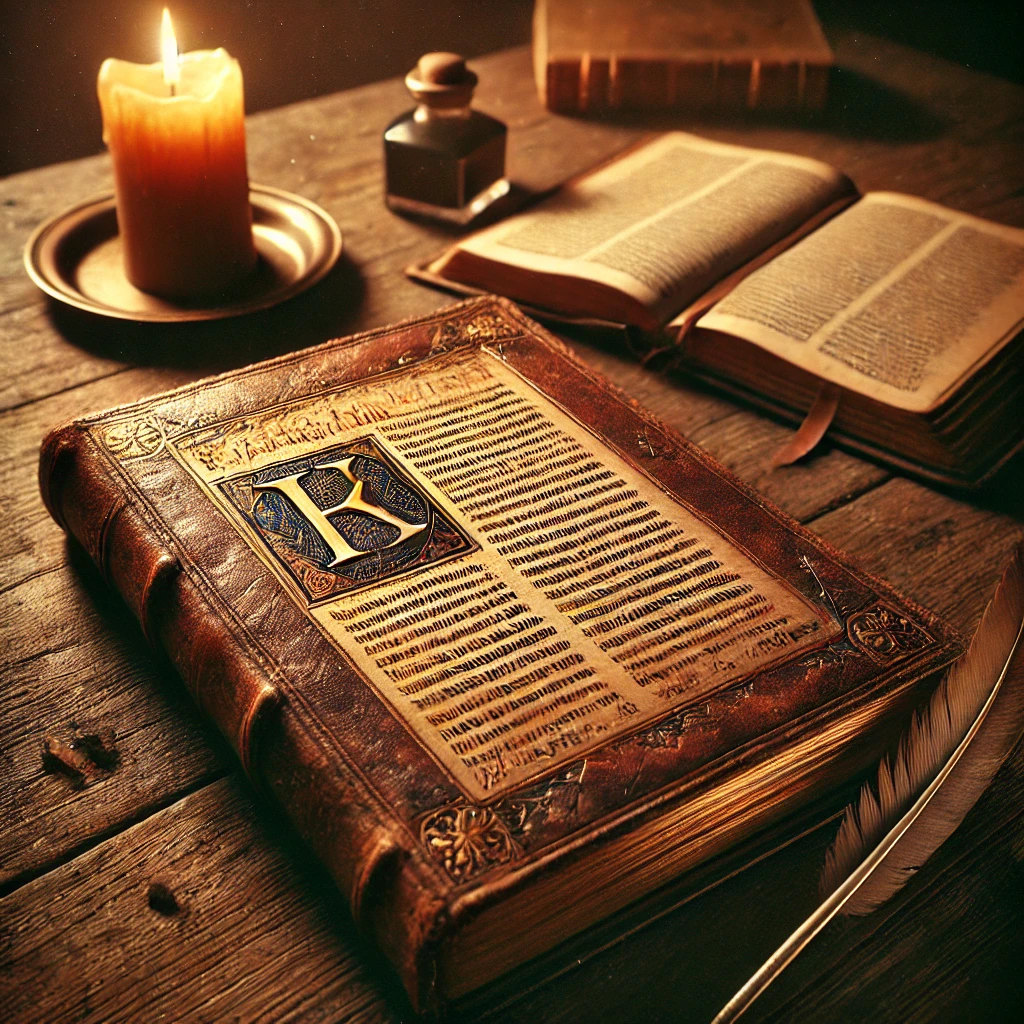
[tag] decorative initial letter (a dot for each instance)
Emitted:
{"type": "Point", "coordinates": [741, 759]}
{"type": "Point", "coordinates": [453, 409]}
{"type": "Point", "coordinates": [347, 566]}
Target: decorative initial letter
{"type": "Point", "coordinates": [342, 551]}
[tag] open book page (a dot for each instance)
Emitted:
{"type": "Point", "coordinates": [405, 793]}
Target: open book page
{"type": "Point", "coordinates": [663, 223]}
{"type": "Point", "coordinates": [552, 596]}
{"type": "Point", "coordinates": [896, 298]}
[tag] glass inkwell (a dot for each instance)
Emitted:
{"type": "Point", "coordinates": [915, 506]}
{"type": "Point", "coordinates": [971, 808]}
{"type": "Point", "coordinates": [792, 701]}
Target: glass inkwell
{"type": "Point", "coordinates": [443, 159]}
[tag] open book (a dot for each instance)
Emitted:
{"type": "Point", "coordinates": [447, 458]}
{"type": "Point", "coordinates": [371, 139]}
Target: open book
{"type": "Point", "coordinates": [771, 276]}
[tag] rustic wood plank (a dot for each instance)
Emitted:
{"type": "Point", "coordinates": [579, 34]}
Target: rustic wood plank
{"type": "Point", "coordinates": [100, 681]}
{"type": "Point", "coordinates": [642, 976]}
{"type": "Point", "coordinates": [950, 942]}
{"type": "Point", "coordinates": [27, 342]}
{"type": "Point", "coordinates": [826, 479]}
{"type": "Point", "coordinates": [259, 933]}
{"type": "Point", "coordinates": [942, 551]}
{"type": "Point", "coordinates": [245, 927]}
{"type": "Point", "coordinates": [36, 372]}
{"type": "Point", "coordinates": [898, 120]}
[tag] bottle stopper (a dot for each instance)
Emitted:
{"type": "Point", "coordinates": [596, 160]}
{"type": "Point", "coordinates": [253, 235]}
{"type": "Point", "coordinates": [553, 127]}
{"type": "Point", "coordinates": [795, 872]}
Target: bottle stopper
{"type": "Point", "coordinates": [441, 80]}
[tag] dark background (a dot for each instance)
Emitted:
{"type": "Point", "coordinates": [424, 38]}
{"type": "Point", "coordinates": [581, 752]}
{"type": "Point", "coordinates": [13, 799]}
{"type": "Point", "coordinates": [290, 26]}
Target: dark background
{"type": "Point", "coordinates": [290, 50]}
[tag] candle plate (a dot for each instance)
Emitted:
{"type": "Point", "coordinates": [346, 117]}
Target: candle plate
{"type": "Point", "coordinates": [76, 258]}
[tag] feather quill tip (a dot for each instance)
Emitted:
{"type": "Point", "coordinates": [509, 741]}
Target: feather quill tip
{"type": "Point", "coordinates": [943, 764]}
{"type": "Point", "coordinates": [970, 726]}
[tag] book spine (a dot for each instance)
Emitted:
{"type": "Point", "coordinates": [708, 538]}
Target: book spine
{"type": "Point", "coordinates": [88, 503]}
{"type": "Point", "coordinates": [370, 858]}
{"type": "Point", "coordinates": [590, 83]}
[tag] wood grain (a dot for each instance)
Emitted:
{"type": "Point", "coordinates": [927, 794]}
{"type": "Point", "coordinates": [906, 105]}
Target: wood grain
{"type": "Point", "coordinates": [99, 677]}
{"type": "Point", "coordinates": [944, 552]}
{"type": "Point", "coordinates": [260, 935]}
{"type": "Point", "coordinates": [636, 979]}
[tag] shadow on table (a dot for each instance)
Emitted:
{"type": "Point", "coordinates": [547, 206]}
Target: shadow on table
{"type": "Point", "coordinates": [328, 310]}
{"type": "Point", "coordinates": [369, 977]}
{"type": "Point", "coordinates": [148, 669]}
{"type": "Point", "coordinates": [858, 107]}
{"type": "Point", "coordinates": [1003, 493]}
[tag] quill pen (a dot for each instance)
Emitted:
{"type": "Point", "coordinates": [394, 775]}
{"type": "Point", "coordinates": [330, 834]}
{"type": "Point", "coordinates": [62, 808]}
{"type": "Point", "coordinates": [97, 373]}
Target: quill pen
{"type": "Point", "coordinates": [942, 766]}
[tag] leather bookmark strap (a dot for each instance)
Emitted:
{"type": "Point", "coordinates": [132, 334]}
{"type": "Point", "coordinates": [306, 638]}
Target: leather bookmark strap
{"type": "Point", "coordinates": [812, 430]}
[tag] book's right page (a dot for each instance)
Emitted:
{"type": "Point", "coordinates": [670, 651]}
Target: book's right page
{"type": "Point", "coordinates": [896, 298]}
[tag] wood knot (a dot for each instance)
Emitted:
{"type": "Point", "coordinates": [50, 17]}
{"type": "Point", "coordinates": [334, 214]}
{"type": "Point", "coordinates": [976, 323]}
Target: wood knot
{"type": "Point", "coordinates": [83, 758]}
{"type": "Point", "coordinates": [162, 900]}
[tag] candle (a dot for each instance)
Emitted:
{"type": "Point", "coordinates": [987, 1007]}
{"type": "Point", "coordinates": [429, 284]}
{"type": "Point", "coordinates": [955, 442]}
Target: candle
{"type": "Point", "coordinates": [176, 132]}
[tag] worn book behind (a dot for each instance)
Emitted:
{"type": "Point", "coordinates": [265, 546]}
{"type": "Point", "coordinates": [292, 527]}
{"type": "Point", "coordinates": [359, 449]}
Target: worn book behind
{"type": "Point", "coordinates": [510, 653]}
{"type": "Point", "coordinates": [767, 274]}
{"type": "Point", "coordinates": [599, 55]}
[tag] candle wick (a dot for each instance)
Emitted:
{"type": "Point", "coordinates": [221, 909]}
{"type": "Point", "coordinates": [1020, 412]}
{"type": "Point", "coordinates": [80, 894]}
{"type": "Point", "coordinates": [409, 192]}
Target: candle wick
{"type": "Point", "coordinates": [174, 91]}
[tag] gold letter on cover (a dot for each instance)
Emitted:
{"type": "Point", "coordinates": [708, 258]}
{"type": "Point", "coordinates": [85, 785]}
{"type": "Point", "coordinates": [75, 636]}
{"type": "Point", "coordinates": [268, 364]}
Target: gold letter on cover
{"type": "Point", "coordinates": [354, 502]}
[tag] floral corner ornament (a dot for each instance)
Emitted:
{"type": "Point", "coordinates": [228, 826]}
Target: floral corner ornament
{"type": "Point", "coordinates": [134, 439]}
{"type": "Point", "coordinates": [466, 840]}
{"type": "Point", "coordinates": [482, 327]}
{"type": "Point", "coordinates": [885, 633]}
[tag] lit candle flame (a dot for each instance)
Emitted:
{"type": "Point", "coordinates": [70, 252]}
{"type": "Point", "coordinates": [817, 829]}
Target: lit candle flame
{"type": "Point", "coordinates": [169, 49]}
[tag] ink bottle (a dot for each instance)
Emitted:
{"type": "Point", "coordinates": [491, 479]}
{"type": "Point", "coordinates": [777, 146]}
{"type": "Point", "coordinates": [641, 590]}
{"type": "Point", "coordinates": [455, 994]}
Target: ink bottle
{"type": "Point", "coordinates": [444, 160]}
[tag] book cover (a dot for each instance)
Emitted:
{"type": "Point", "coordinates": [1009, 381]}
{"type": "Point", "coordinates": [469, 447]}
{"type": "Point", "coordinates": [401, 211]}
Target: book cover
{"type": "Point", "coordinates": [509, 652]}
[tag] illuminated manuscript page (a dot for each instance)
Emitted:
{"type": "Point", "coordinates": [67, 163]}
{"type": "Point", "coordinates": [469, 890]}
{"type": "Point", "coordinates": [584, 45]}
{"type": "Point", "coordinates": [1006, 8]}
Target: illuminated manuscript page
{"type": "Point", "coordinates": [586, 603]}
{"type": "Point", "coordinates": [896, 298]}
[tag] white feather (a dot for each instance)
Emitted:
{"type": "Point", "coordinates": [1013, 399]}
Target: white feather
{"type": "Point", "coordinates": [935, 734]}
{"type": "Point", "coordinates": [942, 766]}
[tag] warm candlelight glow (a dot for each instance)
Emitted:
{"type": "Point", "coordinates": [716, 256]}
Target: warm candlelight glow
{"type": "Point", "coordinates": [169, 49]}
{"type": "Point", "coordinates": [176, 132]}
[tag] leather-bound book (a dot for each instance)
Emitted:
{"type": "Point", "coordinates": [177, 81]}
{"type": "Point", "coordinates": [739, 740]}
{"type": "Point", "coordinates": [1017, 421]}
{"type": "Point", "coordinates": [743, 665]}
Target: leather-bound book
{"type": "Point", "coordinates": [510, 653]}
{"type": "Point", "coordinates": [598, 55]}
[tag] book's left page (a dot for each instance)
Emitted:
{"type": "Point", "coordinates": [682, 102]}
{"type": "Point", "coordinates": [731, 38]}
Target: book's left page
{"type": "Point", "coordinates": [657, 227]}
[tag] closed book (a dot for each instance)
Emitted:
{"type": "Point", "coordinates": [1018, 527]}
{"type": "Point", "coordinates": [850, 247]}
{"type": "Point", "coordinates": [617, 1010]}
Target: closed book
{"type": "Point", "coordinates": [593, 56]}
{"type": "Point", "coordinates": [510, 653]}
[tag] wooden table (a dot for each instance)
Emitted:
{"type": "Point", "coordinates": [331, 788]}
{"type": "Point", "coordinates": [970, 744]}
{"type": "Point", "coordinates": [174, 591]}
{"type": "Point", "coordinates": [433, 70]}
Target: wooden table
{"type": "Point", "coordinates": [258, 933]}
